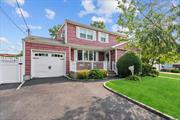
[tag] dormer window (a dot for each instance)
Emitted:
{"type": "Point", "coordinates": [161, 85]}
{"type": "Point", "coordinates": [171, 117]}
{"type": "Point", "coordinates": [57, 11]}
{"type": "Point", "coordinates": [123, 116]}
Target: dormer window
{"type": "Point", "coordinates": [103, 37]}
{"type": "Point", "coordinates": [86, 34]}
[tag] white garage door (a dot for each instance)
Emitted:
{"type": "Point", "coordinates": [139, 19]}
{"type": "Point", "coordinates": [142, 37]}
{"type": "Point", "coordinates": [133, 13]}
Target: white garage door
{"type": "Point", "coordinates": [47, 64]}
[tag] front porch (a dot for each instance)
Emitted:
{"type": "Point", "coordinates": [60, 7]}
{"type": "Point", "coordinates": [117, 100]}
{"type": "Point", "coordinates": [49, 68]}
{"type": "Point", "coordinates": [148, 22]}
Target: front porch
{"type": "Point", "coordinates": [91, 59]}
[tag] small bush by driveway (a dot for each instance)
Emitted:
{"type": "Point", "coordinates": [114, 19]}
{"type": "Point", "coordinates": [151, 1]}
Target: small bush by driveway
{"type": "Point", "coordinates": [67, 100]}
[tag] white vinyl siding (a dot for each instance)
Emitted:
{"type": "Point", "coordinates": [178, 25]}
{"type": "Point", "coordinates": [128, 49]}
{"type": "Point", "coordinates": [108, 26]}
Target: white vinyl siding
{"type": "Point", "coordinates": [103, 37]}
{"type": "Point", "coordinates": [85, 34]}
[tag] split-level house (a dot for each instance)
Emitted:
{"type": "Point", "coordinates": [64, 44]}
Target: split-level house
{"type": "Point", "coordinates": [76, 47]}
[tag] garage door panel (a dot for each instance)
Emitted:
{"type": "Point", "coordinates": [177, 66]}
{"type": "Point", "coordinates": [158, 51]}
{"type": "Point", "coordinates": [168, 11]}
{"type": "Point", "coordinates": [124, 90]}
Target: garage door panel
{"type": "Point", "coordinates": [48, 64]}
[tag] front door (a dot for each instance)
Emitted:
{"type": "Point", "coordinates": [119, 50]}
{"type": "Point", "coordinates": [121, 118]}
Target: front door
{"type": "Point", "coordinates": [107, 56]}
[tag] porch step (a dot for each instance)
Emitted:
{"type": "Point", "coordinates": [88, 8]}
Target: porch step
{"type": "Point", "coordinates": [111, 74]}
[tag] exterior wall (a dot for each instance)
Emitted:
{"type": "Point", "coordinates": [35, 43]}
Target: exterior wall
{"type": "Point", "coordinates": [29, 46]}
{"type": "Point", "coordinates": [71, 35]}
{"type": "Point", "coordinates": [59, 37]}
{"type": "Point", "coordinates": [120, 53]}
{"type": "Point", "coordinates": [72, 54]}
{"type": "Point", "coordinates": [101, 56]}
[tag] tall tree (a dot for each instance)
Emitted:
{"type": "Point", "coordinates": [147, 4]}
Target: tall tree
{"type": "Point", "coordinates": [98, 24]}
{"type": "Point", "coordinates": [151, 28]}
{"type": "Point", "coordinates": [53, 31]}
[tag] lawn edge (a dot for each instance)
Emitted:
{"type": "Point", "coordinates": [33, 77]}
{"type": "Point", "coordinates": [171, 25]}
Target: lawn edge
{"type": "Point", "coordinates": [155, 111]}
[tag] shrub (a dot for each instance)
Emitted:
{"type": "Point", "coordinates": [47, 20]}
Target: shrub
{"type": "Point", "coordinates": [83, 74]}
{"type": "Point", "coordinates": [95, 74]}
{"type": "Point", "coordinates": [133, 77]}
{"type": "Point", "coordinates": [148, 70]}
{"type": "Point", "coordinates": [175, 70]}
{"type": "Point", "coordinates": [104, 72]}
{"type": "Point", "coordinates": [128, 59]}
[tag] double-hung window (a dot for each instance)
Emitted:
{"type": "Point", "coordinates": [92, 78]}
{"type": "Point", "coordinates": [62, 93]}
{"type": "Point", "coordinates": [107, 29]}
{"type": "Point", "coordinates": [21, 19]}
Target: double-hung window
{"type": "Point", "coordinates": [86, 34]}
{"type": "Point", "coordinates": [103, 37]}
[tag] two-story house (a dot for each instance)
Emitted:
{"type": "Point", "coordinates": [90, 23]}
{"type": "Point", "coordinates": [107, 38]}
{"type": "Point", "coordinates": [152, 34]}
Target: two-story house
{"type": "Point", "coordinates": [77, 47]}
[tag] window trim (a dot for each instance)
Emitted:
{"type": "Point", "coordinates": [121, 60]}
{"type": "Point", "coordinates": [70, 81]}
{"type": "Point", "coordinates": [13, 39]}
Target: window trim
{"type": "Point", "coordinates": [99, 37]}
{"type": "Point", "coordinates": [87, 31]}
{"type": "Point", "coordinates": [83, 52]}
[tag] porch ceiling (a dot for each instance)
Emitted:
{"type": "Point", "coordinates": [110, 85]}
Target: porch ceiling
{"type": "Point", "coordinates": [89, 47]}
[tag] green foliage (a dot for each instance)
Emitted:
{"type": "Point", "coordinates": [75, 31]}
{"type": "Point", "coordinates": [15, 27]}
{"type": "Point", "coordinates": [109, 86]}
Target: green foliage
{"type": "Point", "coordinates": [128, 59]}
{"type": "Point", "coordinates": [151, 29]}
{"type": "Point", "coordinates": [92, 74]}
{"type": "Point", "coordinates": [175, 70]}
{"type": "Point", "coordinates": [148, 70]}
{"type": "Point", "coordinates": [83, 74]}
{"type": "Point", "coordinates": [133, 77]}
{"type": "Point", "coordinates": [104, 72]}
{"type": "Point", "coordinates": [54, 30]}
{"type": "Point", "coordinates": [95, 74]}
{"type": "Point", "coordinates": [98, 24]}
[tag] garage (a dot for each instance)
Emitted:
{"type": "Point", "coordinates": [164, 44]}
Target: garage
{"type": "Point", "coordinates": [47, 64]}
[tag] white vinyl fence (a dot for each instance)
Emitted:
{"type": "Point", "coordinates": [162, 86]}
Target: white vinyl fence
{"type": "Point", "coordinates": [11, 70]}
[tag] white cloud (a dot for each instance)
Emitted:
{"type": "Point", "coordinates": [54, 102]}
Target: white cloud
{"type": "Point", "coordinates": [25, 13]}
{"type": "Point", "coordinates": [50, 14]}
{"type": "Point", "coordinates": [116, 28]}
{"type": "Point", "coordinates": [100, 19]}
{"type": "Point", "coordinates": [13, 2]}
{"type": "Point", "coordinates": [4, 40]}
{"type": "Point", "coordinates": [33, 27]}
{"type": "Point", "coordinates": [7, 46]}
{"type": "Point", "coordinates": [103, 8]}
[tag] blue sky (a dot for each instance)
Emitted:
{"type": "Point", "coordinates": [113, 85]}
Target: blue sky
{"type": "Point", "coordinates": [43, 14]}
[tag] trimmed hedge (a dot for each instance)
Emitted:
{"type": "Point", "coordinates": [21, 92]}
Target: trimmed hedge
{"type": "Point", "coordinates": [92, 74]}
{"type": "Point", "coordinates": [128, 59]}
{"type": "Point", "coordinates": [83, 74]}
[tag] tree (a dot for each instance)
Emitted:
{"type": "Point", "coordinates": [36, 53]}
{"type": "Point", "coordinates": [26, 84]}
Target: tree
{"type": "Point", "coordinates": [151, 29]}
{"type": "Point", "coordinates": [98, 24]}
{"type": "Point", "coordinates": [53, 31]}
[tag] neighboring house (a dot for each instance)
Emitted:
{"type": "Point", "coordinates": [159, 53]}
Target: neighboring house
{"type": "Point", "coordinates": [77, 47]}
{"type": "Point", "coordinates": [8, 55]}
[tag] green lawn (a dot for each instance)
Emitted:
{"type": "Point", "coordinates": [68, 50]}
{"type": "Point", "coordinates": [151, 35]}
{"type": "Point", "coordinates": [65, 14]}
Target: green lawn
{"type": "Point", "coordinates": [170, 75]}
{"type": "Point", "coordinates": [160, 93]}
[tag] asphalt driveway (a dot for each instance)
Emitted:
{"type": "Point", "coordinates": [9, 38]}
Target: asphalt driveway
{"type": "Point", "coordinates": [67, 100]}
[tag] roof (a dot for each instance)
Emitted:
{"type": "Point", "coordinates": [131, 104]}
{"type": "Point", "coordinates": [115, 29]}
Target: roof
{"type": "Point", "coordinates": [8, 55]}
{"type": "Point", "coordinates": [95, 28]}
{"type": "Point", "coordinates": [44, 40]}
{"type": "Point", "coordinates": [50, 41]}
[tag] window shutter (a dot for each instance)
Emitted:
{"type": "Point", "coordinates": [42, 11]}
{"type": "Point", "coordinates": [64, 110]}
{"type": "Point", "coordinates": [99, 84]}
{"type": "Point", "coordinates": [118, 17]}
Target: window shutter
{"type": "Point", "coordinates": [99, 36]}
{"type": "Point", "coordinates": [77, 32]}
{"type": "Point", "coordinates": [107, 38]}
{"type": "Point", "coordinates": [94, 35]}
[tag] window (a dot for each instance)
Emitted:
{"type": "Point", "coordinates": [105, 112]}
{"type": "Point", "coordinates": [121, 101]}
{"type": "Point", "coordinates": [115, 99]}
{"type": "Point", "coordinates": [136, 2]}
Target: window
{"type": "Point", "coordinates": [57, 55]}
{"type": "Point", "coordinates": [103, 37]}
{"type": "Point", "coordinates": [79, 55]}
{"type": "Point", "coordinates": [86, 55]}
{"type": "Point", "coordinates": [85, 33]}
{"type": "Point", "coordinates": [90, 55]}
{"type": "Point", "coordinates": [41, 54]}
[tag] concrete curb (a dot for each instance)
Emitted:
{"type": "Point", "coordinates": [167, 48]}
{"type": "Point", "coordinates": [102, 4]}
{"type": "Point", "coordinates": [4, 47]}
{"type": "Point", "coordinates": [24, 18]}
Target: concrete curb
{"type": "Point", "coordinates": [155, 111]}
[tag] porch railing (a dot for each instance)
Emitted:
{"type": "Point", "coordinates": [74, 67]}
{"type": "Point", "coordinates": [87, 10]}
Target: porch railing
{"type": "Point", "coordinates": [88, 65]}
